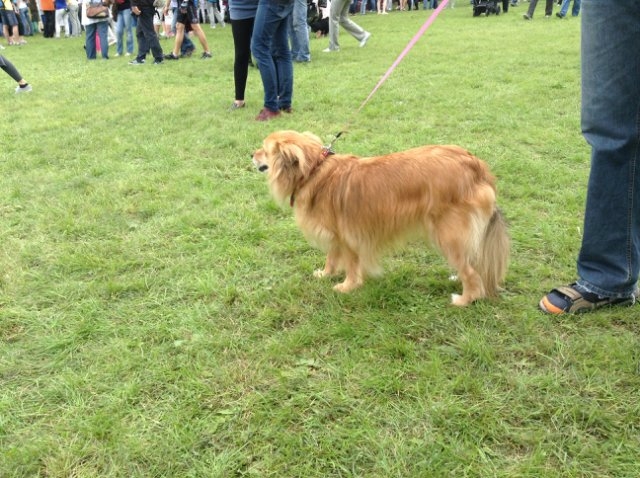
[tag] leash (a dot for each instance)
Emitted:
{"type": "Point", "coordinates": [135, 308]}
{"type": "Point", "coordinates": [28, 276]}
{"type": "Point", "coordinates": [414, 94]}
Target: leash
{"type": "Point", "coordinates": [327, 150]}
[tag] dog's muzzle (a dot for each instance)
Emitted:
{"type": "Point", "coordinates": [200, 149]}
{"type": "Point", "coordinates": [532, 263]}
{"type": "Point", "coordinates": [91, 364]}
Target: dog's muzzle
{"type": "Point", "coordinates": [259, 166]}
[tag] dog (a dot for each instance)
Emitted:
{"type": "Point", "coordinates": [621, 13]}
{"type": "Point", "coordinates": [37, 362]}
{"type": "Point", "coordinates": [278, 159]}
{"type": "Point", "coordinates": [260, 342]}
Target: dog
{"type": "Point", "coordinates": [355, 208]}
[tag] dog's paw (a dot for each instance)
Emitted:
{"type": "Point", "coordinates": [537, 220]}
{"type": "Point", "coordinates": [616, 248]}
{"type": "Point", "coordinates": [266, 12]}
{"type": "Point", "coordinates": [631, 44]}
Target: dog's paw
{"type": "Point", "coordinates": [319, 273]}
{"type": "Point", "coordinates": [342, 288]}
{"type": "Point", "coordinates": [457, 299]}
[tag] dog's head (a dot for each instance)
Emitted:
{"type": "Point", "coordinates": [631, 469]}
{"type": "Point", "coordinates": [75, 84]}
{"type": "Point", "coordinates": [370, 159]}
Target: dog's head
{"type": "Point", "coordinates": [287, 157]}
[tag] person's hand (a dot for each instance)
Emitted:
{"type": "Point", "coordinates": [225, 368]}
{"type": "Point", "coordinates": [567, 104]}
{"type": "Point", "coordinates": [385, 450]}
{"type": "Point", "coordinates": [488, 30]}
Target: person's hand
{"type": "Point", "coordinates": [135, 10]}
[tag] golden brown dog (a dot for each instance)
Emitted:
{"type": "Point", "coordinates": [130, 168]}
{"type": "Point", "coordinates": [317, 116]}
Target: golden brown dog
{"type": "Point", "coordinates": [354, 208]}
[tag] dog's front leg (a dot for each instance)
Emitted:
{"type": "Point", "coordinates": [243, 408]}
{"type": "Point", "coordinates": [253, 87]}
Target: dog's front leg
{"type": "Point", "coordinates": [331, 265]}
{"type": "Point", "coordinates": [355, 274]}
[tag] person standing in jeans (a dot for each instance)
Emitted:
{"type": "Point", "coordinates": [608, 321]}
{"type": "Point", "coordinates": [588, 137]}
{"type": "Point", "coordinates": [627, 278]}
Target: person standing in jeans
{"type": "Point", "coordinates": [609, 259]}
{"type": "Point", "coordinates": [146, 33]}
{"type": "Point", "coordinates": [124, 27]}
{"type": "Point", "coordinates": [299, 32]}
{"type": "Point", "coordinates": [95, 27]}
{"type": "Point", "coordinates": [270, 47]}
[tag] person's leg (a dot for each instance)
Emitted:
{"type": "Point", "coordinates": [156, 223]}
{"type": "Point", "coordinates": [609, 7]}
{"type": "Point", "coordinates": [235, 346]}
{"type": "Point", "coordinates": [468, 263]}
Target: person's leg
{"type": "Point", "coordinates": [90, 41]}
{"type": "Point", "coordinates": [103, 33]}
{"type": "Point", "coordinates": [335, 10]}
{"type": "Point", "coordinates": [128, 29]}
{"type": "Point", "coordinates": [10, 69]}
{"type": "Point", "coordinates": [354, 29]}
{"type": "Point", "coordinates": [59, 16]}
{"type": "Point", "coordinates": [76, 27]}
{"type": "Point", "coordinates": [532, 8]}
{"type": "Point", "coordinates": [300, 31]}
{"type": "Point", "coordinates": [608, 263]}
{"type": "Point", "coordinates": [576, 8]}
{"type": "Point", "coordinates": [609, 260]}
{"type": "Point", "coordinates": [266, 22]}
{"type": "Point", "coordinates": [120, 34]}
{"type": "Point", "coordinates": [282, 58]}
{"type": "Point", "coordinates": [146, 35]}
{"type": "Point", "coordinates": [202, 38]}
{"type": "Point", "coordinates": [242, 31]}
{"type": "Point", "coordinates": [179, 38]}
{"type": "Point", "coordinates": [548, 8]}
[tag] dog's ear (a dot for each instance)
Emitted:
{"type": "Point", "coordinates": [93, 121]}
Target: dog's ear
{"type": "Point", "coordinates": [292, 155]}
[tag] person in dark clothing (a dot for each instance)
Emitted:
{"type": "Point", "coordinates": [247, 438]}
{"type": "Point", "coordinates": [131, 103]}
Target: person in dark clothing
{"type": "Point", "coordinates": [548, 9]}
{"type": "Point", "coordinates": [12, 71]}
{"type": "Point", "coordinates": [145, 33]}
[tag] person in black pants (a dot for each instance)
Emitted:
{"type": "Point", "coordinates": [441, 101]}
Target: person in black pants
{"type": "Point", "coordinates": [146, 33]}
{"type": "Point", "coordinates": [242, 14]}
{"type": "Point", "coordinates": [548, 9]}
{"type": "Point", "coordinates": [12, 71]}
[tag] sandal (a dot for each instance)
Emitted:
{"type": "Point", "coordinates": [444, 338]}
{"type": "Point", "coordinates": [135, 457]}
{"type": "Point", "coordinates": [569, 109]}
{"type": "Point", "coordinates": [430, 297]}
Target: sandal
{"type": "Point", "coordinates": [572, 299]}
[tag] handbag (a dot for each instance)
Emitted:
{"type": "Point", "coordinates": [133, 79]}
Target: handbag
{"type": "Point", "coordinates": [97, 10]}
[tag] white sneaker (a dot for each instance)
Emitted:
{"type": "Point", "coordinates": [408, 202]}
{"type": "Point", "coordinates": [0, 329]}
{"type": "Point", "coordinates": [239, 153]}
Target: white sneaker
{"type": "Point", "coordinates": [25, 89]}
{"type": "Point", "coordinates": [364, 41]}
{"type": "Point", "coordinates": [330, 50]}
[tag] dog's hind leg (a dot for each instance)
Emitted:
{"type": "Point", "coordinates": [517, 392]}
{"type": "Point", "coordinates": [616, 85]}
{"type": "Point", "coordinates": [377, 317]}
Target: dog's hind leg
{"type": "Point", "coordinates": [457, 247]}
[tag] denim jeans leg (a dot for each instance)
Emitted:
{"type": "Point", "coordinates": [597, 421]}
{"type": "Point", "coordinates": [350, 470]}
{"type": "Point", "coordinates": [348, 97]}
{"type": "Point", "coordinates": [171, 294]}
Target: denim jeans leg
{"type": "Point", "coordinates": [609, 259]}
{"type": "Point", "coordinates": [269, 39]}
{"type": "Point", "coordinates": [299, 32]}
{"type": "Point", "coordinates": [90, 41]}
{"type": "Point", "coordinates": [103, 33]}
{"type": "Point", "coordinates": [120, 34]}
{"type": "Point", "coordinates": [575, 11]}
{"type": "Point", "coordinates": [284, 67]}
{"type": "Point", "coordinates": [128, 29]}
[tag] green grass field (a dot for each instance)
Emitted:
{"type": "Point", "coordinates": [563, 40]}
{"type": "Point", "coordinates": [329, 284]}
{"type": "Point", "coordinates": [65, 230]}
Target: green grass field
{"type": "Point", "coordinates": [158, 314]}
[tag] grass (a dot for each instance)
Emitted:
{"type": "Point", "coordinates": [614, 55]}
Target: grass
{"type": "Point", "coordinates": [158, 317]}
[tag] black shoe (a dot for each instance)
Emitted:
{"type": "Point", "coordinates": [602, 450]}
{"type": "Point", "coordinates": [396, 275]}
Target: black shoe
{"type": "Point", "coordinates": [137, 62]}
{"type": "Point", "coordinates": [171, 56]}
{"type": "Point", "coordinates": [158, 62]}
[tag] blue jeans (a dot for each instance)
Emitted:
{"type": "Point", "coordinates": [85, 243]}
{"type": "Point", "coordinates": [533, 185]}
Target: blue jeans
{"type": "Point", "coordinates": [564, 9]}
{"type": "Point", "coordinates": [270, 47]}
{"type": "Point", "coordinates": [93, 29]}
{"type": "Point", "coordinates": [299, 32]}
{"type": "Point", "coordinates": [609, 259]}
{"type": "Point", "coordinates": [123, 26]}
{"type": "Point", "coordinates": [26, 21]}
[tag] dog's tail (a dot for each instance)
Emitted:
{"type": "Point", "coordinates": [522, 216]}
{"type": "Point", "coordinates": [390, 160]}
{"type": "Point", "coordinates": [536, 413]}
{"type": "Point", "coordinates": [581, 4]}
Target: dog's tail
{"type": "Point", "coordinates": [492, 259]}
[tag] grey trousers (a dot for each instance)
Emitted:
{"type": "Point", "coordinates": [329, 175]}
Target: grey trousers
{"type": "Point", "coordinates": [339, 15]}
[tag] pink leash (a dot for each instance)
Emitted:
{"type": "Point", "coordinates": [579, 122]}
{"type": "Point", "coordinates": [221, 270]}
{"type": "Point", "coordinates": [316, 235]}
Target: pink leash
{"type": "Point", "coordinates": [406, 50]}
{"type": "Point", "coordinates": [329, 148]}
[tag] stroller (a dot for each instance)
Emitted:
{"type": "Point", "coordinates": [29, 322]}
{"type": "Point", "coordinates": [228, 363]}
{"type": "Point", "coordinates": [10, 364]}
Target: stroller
{"type": "Point", "coordinates": [485, 6]}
